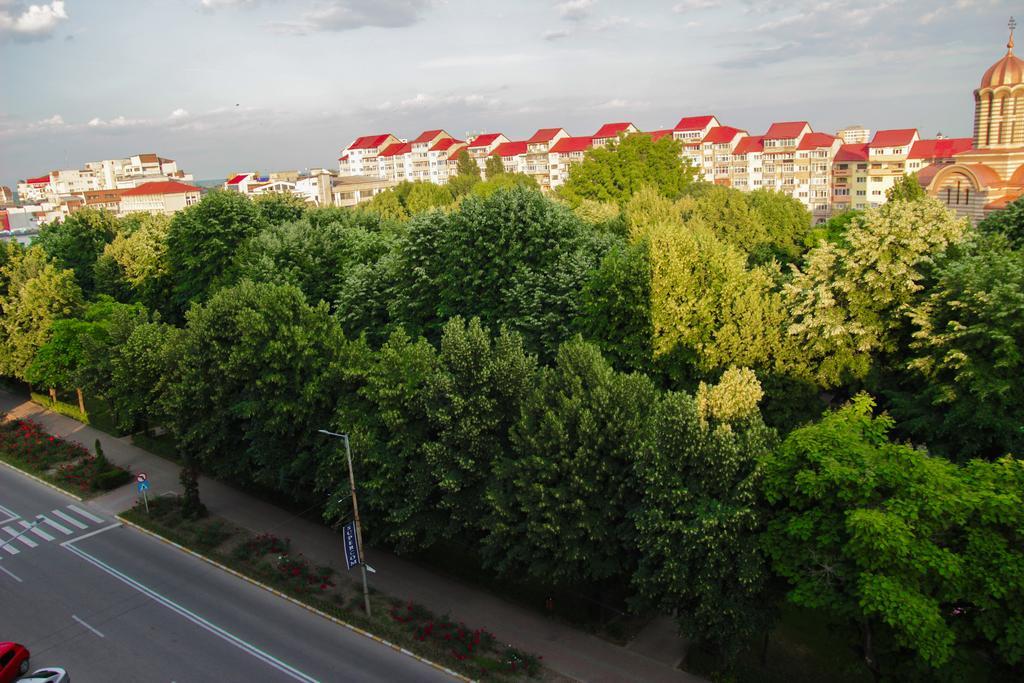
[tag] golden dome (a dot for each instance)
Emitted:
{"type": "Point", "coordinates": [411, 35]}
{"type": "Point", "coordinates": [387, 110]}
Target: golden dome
{"type": "Point", "coordinates": [1007, 71]}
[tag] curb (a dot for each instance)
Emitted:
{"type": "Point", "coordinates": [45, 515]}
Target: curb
{"type": "Point", "coordinates": [41, 481]}
{"type": "Point", "coordinates": [308, 608]}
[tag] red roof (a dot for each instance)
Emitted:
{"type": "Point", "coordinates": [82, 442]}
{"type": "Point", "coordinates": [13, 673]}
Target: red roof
{"type": "Point", "coordinates": [786, 130]}
{"type": "Point", "coordinates": [164, 187]}
{"type": "Point", "coordinates": [444, 144]}
{"type": "Point", "coordinates": [659, 134]}
{"type": "Point", "coordinates": [566, 145]}
{"type": "Point", "coordinates": [816, 140]}
{"type": "Point", "coordinates": [893, 138]}
{"type": "Point", "coordinates": [510, 149]}
{"type": "Point", "coordinates": [343, 157]}
{"type": "Point", "coordinates": [612, 130]}
{"type": "Point", "coordinates": [5, 224]}
{"type": "Point", "coordinates": [751, 143]}
{"type": "Point", "coordinates": [694, 122]}
{"type": "Point", "coordinates": [454, 156]}
{"type": "Point", "coordinates": [41, 180]}
{"type": "Point", "coordinates": [396, 148]}
{"type": "Point", "coordinates": [940, 149]}
{"type": "Point", "coordinates": [720, 134]}
{"type": "Point", "coordinates": [369, 141]}
{"type": "Point", "coordinates": [427, 136]}
{"type": "Point", "coordinates": [238, 178]}
{"type": "Point", "coordinates": [544, 135]}
{"type": "Point", "coordinates": [484, 140]}
{"type": "Point", "coordinates": [853, 152]}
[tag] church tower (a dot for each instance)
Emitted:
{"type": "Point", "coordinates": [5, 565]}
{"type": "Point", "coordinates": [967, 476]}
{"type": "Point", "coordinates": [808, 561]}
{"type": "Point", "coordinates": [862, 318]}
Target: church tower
{"type": "Point", "coordinates": [991, 175]}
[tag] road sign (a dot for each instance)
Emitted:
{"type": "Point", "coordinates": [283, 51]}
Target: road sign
{"type": "Point", "coordinates": [141, 477]}
{"type": "Point", "coordinates": [143, 486]}
{"type": "Point", "coordinates": [348, 533]}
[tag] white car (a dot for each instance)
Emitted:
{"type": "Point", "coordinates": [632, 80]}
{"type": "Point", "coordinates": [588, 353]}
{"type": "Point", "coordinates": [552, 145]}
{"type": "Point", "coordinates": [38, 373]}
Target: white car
{"type": "Point", "coordinates": [49, 675]}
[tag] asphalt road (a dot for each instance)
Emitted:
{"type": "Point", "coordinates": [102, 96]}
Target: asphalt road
{"type": "Point", "coordinates": [111, 604]}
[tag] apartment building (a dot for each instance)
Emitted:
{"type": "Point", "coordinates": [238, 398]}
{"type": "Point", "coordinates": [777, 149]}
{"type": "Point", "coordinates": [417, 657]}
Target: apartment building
{"type": "Point", "coordinates": [108, 174]}
{"type": "Point", "coordinates": [611, 131]}
{"type": "Point", "coordinates": [161, 197]}
{"type": "Point", "coordinates": [813, 180]}
{"type": "Point", "coordinates": [482, 146]}
{"type": "Point", "coordinates": [538, 154]}
{"type": "Point", "coordinates": [850, 177]}
{"type": "Point", "coordinates": [854, 135]}
{"type": "Point", "coordinates": [360, 158]}
{"type": "Point", "coordinates": [513, 156]}
{"type": "Point", "coordinates": [888, 153]}
{"type": "Point", "coordinates": [352, 190]}
{"type": "Point", "coordinates": [564, 154]}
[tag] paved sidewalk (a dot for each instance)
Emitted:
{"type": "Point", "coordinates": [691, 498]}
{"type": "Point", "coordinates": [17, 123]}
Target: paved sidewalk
{"type": "Point", "coordinates": [568, 651]}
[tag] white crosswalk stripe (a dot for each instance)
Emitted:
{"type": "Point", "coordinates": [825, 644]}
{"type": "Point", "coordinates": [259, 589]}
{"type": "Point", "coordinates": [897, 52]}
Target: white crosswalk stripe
{"type": "Point", "coordinates": [21, 539]}
{"type": "Point", "coordinates": [85, 513]}
{"type": "Point", "coordinates": [36, 530]}
{"type": "Point", "coordinates": [11, 549]}
{"type": "Point", "coordinates": [69, 519]}
{"type": "Point", "coordinates": [59, 527]}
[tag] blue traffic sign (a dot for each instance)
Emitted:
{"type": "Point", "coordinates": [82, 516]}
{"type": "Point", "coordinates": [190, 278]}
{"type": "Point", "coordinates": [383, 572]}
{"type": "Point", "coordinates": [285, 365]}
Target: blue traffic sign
{"type": "Point", "coordinates": [143, 485]}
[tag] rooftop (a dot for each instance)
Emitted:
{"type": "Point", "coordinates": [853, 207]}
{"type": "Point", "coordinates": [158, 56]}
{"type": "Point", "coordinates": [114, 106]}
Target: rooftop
{"type": "Point", "coordinates": [369, 141]}
{"type": "Point", "coordinates": [165, 187]}
{"type": "Point", "coordinates": [613, 130]}
{"type": "Point", "coordinates": [545, 135]}
{"type": "Point", "coordinates": [893, 138]}
{"type": "Point", "coordinates": [510, 149]}
{"type": "Point", "coordinates": [484, 140]}
{"type": "Point", "coordinates": [566, 145]}
{"type": "Point", "coordinates": [694, 122]}
{"type": "Point", "coordinates": [785, 130]}
{"type": "Point", "coordinates": [940, 149]}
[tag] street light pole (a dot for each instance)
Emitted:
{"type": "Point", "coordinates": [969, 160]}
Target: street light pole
{"type": "Point", "coordinates": [355, 513]}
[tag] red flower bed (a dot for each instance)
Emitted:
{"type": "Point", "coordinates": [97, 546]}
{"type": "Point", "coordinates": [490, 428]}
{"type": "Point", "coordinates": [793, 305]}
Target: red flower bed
{"type": "Point", "coordinates": [25, 441]}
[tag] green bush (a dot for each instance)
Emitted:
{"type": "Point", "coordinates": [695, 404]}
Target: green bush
{"type": "Point", "coordinates": [111, 479]}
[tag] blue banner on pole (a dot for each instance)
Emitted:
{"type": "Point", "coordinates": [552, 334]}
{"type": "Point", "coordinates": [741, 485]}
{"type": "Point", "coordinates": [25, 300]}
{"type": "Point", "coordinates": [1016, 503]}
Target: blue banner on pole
{"type": "Point", "coordinates": [348, 533]}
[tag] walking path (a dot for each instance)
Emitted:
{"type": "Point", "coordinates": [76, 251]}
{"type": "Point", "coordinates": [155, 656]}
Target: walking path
{"type": "Point", "coordinates": [567, 650]}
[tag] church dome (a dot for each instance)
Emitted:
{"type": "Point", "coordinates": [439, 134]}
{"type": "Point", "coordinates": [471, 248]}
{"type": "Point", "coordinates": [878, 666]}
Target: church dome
{"type": "Point", "coordinates": [1007, 71]}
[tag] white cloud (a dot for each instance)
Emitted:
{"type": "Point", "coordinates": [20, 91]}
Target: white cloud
{"type": "Point", "coordinates": [615, 21]}
{"type": "Point", "coordinates": [116, 122]}
{"type": "Point", "coordinates": [423, 101]}
{"type": "Point", "coordinates": [52, 122]}
{"type": "Point", "coordinates": [36, 22]}
{"type": "Point", "coordinates": [467, 61]}
{"type": "Point", "coordinates": [619, 103]}
{"type": "Point", "coordinates": [347, 15]}
{"type": "Point", "coordinates": [557, 34]}
{"type": "Point", "coordinates": [692, 5]}
{"type": "Point", "coordinates": [216, 4]}
{"type": "Point", "coordinates": [575, 10]}
{"type": "Point", "coordinates": [179, 113]}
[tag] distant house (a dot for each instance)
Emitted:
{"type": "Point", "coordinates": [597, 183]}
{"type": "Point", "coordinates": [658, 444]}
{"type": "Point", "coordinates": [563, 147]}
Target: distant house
{"type": "Point", "coordinates": [163, 197]}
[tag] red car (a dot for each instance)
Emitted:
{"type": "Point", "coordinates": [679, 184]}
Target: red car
{"type": "Point", "coordinates": [13, 662]}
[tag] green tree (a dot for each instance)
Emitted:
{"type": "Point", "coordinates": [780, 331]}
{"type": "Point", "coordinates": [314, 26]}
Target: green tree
{"type": "Point", "coordinates": [137, 260]}
{"type": "Point", "coordinates": [388, 206]}
{"type": "Point", "coordinates": [202, 241]}
{"type": "Point", "coordinates": [77, 241]}
{"type": "Point", "coordinates": [142, 372]}
{"type": "Point", "coordinates": [560, 500]}
{"type": "Point", "coordinates": [1008, 221]}
{"type": "Point", "coordinates": [615, 172]}
{"type": "Point", "coordinates": [425, 196]}
{"type": "Point", "coordinates": [494, 167]}
{"type": "Point", "coordinates": [615, 307]}
{"type": "Point", "coordinates": [515, 258]}
{"type": "Point", "coordinates": [850, 303]}
{"type": "Point", "coordinates": [729, 215]}
{"type": "Point", "coordinates": [504, 181]}
{"type": "Point", "coordinates": [908, 551]}
{"type": "Point", "coordinates": [253, 383]}
{"type": "Point", "coordinates": [701, 514]}
{"type": "Point", "coordinates": [786, 220]}
{"type": "Point", "coordinates": [318, 259]}
{"type": "Point", "coordinates": [467, 166]}
{"type": "Point", "coordinates": [276, 208]}
{"type": "Point", "coordinates": [38, 293]}
{"type": "Point", "coordinates": [906, 189]}
{"type": "Point", "coordinates": [967, 354]}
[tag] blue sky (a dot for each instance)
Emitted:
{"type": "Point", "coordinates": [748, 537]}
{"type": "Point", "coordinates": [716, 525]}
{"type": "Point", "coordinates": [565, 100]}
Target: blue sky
{"type": "Point", "coordinates": [222, 85]}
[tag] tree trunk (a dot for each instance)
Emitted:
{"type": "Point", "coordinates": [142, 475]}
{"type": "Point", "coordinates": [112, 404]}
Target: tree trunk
{"type": "Point", "coordinates": [53, 394]}
{"type": "Point", "coordinates": [81, 400]}
{"type": "Point", "coordinates": [868, 651]}
{"type": "Point", "coordinates": [764, 648]}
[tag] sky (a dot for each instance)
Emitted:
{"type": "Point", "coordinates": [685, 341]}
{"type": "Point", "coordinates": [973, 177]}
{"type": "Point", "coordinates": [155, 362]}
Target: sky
{"type": "Point", "coordinates": [225, 85]}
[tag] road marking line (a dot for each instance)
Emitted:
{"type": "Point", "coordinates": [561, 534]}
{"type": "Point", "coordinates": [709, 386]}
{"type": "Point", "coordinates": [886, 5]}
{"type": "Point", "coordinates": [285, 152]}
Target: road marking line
{"type": "Point", "coordinates": [11, 515]}
{"type": "Point", "coordinates": [87, 626]}
{"type": "Point", "coordinates": [90, 534]}
{"type": "Point", "coordinates": [86, 514]}
{"type": "Point", "coordinates": [27, 541]}
{"type": "Point", "coordinates": [70, 520]}
{"type": "Point", "coordinates": [63, 529]}
{"type": "Point", "coordinates": [11, 549]}
{"type": "Point", "coordinates": [36, 530]}
{"type": "Point", "coordinates": [11, 575]}
{"type": "Point", "coordinates": [191, 616]}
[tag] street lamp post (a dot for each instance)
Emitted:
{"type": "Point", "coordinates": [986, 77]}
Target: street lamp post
{"type": "Point", "coordinates": [355, 512]}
